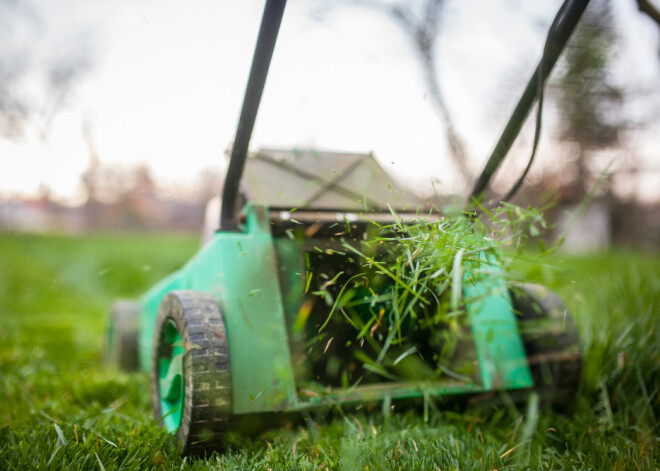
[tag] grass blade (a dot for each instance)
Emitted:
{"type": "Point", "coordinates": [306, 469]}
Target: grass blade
{"type": "Point", "coordinates": [99, 461]}
{"type": "Point", "coordinates": [61, 439]}
{"type": "Point", "coordinates": [456, 280]}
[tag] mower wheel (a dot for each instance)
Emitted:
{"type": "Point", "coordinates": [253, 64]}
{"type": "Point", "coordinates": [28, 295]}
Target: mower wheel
{"type": "Point", "coordinates": [190, 378]}
{"type": "Point", "coordinates": [121, 343]}
{"type": "Point", "coordinates": [551, 342]}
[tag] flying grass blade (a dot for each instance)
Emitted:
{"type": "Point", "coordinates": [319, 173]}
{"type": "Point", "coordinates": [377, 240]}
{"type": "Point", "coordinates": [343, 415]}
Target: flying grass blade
{"type": "Point", "coordinates": [456, 280]}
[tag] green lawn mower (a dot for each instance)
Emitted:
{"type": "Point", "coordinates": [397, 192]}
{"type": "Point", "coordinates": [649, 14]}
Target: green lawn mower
{"type": "Point", "coordinates": [290, 307]}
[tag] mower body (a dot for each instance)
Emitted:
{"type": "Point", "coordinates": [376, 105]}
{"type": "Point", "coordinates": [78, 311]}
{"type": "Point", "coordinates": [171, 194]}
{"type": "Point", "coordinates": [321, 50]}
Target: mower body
{"type": "Point", "coordinates": [262, 280]}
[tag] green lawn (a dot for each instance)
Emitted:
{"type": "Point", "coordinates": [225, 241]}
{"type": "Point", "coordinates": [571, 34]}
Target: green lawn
{"type": "Point", "coordinates": [61, 409]}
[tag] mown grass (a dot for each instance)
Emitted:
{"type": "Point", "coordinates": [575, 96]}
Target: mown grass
{"type": "Point", "coordinates": [60, 408]}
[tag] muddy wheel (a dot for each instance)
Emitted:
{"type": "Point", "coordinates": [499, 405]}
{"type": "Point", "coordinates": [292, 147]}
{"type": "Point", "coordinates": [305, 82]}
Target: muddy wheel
{"type": "Point", "coordinates": [551, 342]}
{"type": "Point", "coordinates": [121, 347]}
{"type": "Point", "coordinates": [191, 388]}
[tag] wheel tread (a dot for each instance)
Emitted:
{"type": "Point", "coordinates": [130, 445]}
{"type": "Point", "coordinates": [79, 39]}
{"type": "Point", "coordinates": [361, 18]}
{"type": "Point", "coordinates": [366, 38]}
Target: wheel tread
{"type": "Point", "coordinates": [207, 407]}
{"type": "Point", "coordinates": [552, 349]}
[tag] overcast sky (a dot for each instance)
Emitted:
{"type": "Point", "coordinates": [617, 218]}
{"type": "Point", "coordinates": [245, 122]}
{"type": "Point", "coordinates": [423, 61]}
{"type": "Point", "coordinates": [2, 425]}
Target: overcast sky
{"type": "Point", "coordinates": [166, 79]}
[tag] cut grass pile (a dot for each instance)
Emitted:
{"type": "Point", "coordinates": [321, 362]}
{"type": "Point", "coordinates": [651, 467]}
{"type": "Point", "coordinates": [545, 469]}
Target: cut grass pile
{"type": "Point", "coordinates": [60, 408]}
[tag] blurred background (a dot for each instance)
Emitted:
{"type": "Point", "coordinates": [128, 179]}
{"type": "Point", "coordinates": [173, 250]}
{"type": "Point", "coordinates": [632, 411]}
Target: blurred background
{"type": "Point", "coordinates": [117, 116]}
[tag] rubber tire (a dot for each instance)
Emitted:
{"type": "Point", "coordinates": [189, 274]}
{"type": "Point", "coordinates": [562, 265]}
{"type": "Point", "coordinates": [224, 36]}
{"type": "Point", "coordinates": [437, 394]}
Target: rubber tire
{"type": "Point", "coordinates": [122, 338]}
{"type": "Point", "coordinates": [206, 374]}
{"type": "Point", "coordinates": [551, 340]}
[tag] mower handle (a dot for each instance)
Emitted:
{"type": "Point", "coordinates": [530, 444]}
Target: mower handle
{"type": "Point", "coordinates": [562, 26]}
{"type": "Point", "coordinates": [560, 30]}
{"type": "Point", "coordinates": [263, 52]}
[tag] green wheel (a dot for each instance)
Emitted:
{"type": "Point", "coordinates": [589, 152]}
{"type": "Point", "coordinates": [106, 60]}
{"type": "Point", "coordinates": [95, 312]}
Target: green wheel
{"type": "Point", "coordinates": [551, 342]}
{"type": "Point", "coordinates": [190, 378]}
{"type": "Point", "coordinates": [122, 335]}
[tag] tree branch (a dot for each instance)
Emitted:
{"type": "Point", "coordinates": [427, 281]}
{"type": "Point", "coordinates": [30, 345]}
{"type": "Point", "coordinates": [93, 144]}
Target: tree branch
{"type": "Point", "coordinates": [645, 6]}
{"type": "Point", "coordinates": [423, 33]}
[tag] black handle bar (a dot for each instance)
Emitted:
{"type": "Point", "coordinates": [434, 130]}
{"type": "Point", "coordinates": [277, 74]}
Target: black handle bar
{"type": "Point", "coordinates": [563, 25]}
{"type": "Point", "coordinates": [263, 52]}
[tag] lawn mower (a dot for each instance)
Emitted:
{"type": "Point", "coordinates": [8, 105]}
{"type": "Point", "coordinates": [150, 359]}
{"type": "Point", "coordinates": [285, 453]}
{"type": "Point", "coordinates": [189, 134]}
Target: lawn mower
{"type": "Point", "coordinates": [279, 314]}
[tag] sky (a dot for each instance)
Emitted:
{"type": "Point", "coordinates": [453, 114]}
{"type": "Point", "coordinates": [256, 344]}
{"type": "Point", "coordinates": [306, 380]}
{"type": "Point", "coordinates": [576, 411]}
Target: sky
{"type": "Point", "coordinates": [165, 82]}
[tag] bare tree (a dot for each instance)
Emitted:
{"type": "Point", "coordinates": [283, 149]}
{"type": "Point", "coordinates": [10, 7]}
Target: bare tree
{"type": "Point", "coordinates": [29, 54]}
{"type": "Point", "coordinates": [591, 105]}
{"type": "Point", "coordinates": [13, 65]}
{"type": "Point", "coordinates": [421, 23]}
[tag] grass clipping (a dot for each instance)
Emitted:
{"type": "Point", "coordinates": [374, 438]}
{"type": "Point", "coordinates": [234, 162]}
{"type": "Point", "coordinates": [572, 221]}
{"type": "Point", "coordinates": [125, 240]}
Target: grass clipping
{"type": "Point", "coordinates": [396, 303]}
